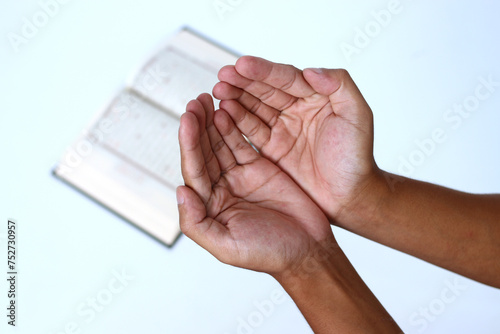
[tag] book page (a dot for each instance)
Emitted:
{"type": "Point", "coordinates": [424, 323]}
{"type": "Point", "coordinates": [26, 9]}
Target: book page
{"type": "Point", "coordinates": [178, 73]}
{"type": "Point", "coordinates": [129, 159]}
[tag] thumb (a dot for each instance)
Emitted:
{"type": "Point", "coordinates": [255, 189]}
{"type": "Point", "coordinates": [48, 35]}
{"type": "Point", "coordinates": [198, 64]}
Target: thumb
{"type": "Point", "coordinates": [344, 95]}
{"type": "Point", "coordinates": [194, 223]}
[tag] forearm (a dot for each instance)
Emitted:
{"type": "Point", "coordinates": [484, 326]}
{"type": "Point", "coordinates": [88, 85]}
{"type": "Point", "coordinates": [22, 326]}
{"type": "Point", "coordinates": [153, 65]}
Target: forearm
{"type": "Point", "coordinates": [333, 298]}
{"type": "Point", "coordinates": [451, 229]}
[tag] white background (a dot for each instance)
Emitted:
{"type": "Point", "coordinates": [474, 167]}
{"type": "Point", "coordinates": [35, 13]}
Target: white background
{"type": "Point", "coordinates": [429, 57]}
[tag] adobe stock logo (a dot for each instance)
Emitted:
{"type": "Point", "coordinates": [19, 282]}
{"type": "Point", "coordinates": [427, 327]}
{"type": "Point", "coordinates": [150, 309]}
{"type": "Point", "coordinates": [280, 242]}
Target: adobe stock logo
{"type": "Point", "coordinates": [224, 6]}
{"type": "Point", "coordinates": [125, 105]}
{"type": "Point", "coordinates": [364, 36]}
{"type": "Point", "coordinates": [97, 303]}
{"type": "Point", "coordinates": [454, 117]}
{"type": "Point", "coordinates": [428, 314]}
{"type": "Point", "coordinates": [263, 310]}
{"type": "Point", "coordinates": [31, 26]}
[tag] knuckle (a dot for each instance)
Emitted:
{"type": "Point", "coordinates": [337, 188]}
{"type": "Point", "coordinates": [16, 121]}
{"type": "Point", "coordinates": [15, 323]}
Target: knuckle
{"type": "Point", "coordinates": [254, 130]}
{"type": "Point", "coordinates": [343, 73]}
{"type": "Point", "coordinates": [218, 146]}
{"type": "Point", "coordinates": [265, 96]}
{"type": "Point", "coordinates": [292, 80]}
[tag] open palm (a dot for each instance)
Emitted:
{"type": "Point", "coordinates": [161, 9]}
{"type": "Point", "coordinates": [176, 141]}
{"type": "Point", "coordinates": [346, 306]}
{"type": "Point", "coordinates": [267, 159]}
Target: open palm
{"type": "Point", "coordinates": [238, 205]}
{"type": "Point", "coordinates": [314, 124]}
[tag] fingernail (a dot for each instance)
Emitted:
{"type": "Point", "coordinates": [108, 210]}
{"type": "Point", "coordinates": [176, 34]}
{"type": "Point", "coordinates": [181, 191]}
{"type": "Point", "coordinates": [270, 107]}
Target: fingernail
{"type": "Point", "coordinates": [316, 70]}
{"type": "Point", "coordinates": [180, 198]}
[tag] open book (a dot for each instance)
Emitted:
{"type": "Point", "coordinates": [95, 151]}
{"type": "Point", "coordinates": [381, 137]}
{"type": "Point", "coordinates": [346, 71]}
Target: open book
{"type": "Point", "coordinates": [128, 159]}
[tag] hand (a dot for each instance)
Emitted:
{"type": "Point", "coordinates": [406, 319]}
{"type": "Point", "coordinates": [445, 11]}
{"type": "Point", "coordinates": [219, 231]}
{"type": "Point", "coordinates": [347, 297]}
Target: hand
{"type": "Point", "coordinates": [314, 124]}
{"type": "Point", "coordinates": [238, 205]}
{"type": "Point", "coordinates": [247, 212]}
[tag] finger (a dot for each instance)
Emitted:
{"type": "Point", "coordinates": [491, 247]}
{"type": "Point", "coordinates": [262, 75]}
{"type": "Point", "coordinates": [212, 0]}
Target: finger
{"type": "Point", "coordinates": [270, 95]}
{"type": "Point", "coordinates": [240, 148]}
{"type": "Point", "coordinates": [224, 157]}
{"type": "Point", "coordinates": [194, 223]}
{"type": "Point", "coordinates": [193, 164]}
{"type": "Point", "coordinates": [201, 108]}
{"type": "Point", "coordinates": [344, 95]}
{"type": "Point", "coordinates": [250, 125]}
{"type": "Point", "coordinates": [225, 91]}
{"type": "Point", "coordinates": [207, 102]}
{"type": "Point", "coordinates": [280, 76]}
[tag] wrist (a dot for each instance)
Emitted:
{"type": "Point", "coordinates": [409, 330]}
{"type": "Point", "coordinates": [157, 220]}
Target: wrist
{"type": "Point", "coordinates": [319, 263]}
{"type": "Point", "coordinates": [332, 297]}
{"type": "Point", "coordinates": [367, 206]}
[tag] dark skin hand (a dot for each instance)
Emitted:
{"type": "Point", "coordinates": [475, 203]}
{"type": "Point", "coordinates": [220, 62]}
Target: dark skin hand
{"type": "Point", "coordinates": [247, 212]}
{"type": "Point", "coordinates": [317, 127]}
